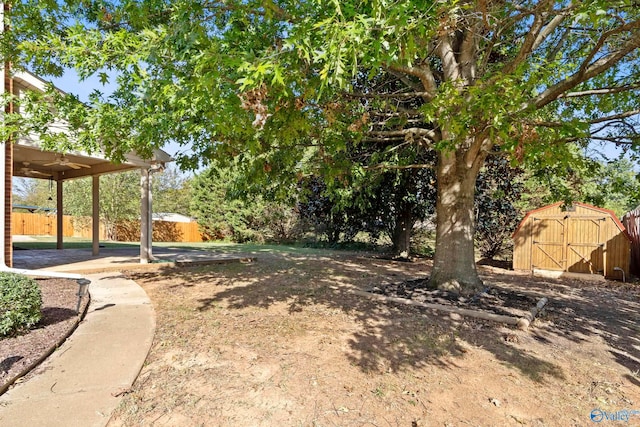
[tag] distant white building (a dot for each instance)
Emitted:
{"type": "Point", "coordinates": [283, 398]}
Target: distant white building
{"type": "Point", "coordinates": [171, 217]}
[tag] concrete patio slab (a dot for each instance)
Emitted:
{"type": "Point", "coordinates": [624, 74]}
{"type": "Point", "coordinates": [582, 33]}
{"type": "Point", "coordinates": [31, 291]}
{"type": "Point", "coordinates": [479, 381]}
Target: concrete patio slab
{"type": "Point", "coordinates": [116, 259]}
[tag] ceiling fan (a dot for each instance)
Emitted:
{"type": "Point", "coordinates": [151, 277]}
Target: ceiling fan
{"type": "Point", "coordinates": [61, 160]}
{"type": "Point", "coordinates": [27, 171]}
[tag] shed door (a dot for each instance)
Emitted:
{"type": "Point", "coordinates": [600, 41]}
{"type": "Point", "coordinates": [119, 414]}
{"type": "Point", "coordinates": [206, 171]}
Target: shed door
{"type": "Point", "coordinates": [584, 250]}
{"type": "Point", "coordinates": [548, 244]}
{"type": "Point", "coordinates": [568, 244]}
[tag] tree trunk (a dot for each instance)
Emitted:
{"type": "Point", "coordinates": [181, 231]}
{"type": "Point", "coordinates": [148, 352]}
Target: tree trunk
{"type": "Point", "coordinates": [402, 232]}
{"type": "Point", "coordinates": [454, 267]}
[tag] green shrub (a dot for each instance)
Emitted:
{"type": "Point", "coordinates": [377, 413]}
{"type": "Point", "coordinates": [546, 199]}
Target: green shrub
{"type": "Point", "coordinates": [20, 303]}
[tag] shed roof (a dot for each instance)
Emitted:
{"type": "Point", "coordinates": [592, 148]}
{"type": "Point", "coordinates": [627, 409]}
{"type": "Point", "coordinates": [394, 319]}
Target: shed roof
{"type": "Point", "coordinates": [584, 205]}
{"type": "Point", "coordinates": [32, 208]}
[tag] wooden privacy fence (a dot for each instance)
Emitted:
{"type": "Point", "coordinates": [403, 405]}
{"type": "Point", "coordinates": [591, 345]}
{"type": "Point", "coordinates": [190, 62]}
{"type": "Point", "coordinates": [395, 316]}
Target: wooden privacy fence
{"type": "Point", "coordinates": [39, 224]}
{"type": "Point", "coordinates": [163, 231]}
{"type": "Point", "coordinates": [35, 224]}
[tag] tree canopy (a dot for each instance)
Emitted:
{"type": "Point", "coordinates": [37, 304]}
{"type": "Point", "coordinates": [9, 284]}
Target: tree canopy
{"type": "Point", "coordinates": [276, 85]}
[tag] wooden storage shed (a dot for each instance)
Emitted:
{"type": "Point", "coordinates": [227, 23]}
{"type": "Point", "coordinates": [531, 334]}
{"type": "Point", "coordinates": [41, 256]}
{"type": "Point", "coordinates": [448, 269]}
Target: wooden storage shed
{"type": "Point", "coordinates": [579, 239]}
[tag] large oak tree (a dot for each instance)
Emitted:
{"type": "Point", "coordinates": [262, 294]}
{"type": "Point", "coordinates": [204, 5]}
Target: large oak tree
{"type": "Point", "coordinates": [277, 83]}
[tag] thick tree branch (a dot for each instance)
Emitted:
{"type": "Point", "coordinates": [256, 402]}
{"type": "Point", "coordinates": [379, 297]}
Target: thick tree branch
{"type": "Point", "coordinates": [428, 133]}
{"type": "Point", "coordinates": [468, 51]}
{"type": "Point", "coordinates": [415, 85]}
{"type": "Point", "coordinates": [603, 39]}
{"type": "Point", "coordinates": [619, 140]}
{"type": "Point", "coordinates": [399, 95]}
{"type": "Point", "coordinates": [422, 72]}
{"type": "Point", "coordinates": [548, 30]}
{"type": "Point", "coordinates": [406, 121]}
{"type": "Point", "coordinates": [448, 58]}
{"type": "Point", "coordinates": [559, 45]}
{"type": "Point", "coordinates": [619, 116]}
{"type": "Point", "coordinates": [387, 114]}
{"type": "Point", "coordinates": [529, 40]}
{"type": "Point", "coordinates": [383, 140]}
{"type": "Point", "coordinates": [612, 124]}
{"type": "Point", "coordinates": [399, 167]}
{"type": "Point", "coordinates": [481, 144]}
{"type": "Point", "coordinates": [588, 71]}
{"type": "Point", "coordinates": [601, 91]}
{"type": "Point", "coordinates": [624, 115]}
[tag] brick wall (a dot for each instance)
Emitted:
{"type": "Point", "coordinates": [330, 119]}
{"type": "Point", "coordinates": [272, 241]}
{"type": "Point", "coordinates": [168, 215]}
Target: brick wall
{"type": "Point", "coordinates": [8, 146]}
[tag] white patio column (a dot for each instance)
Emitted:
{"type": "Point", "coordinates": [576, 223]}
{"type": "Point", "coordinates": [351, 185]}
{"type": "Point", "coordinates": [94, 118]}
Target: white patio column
{"type": "Point", "coordinates": [145, 217]}
{"type": "Point", "coordinates": [150, 217]}
{"type": "Point", "coordinates": [95, 219]}
{"type": "Point", "coordinates": [59, 216]}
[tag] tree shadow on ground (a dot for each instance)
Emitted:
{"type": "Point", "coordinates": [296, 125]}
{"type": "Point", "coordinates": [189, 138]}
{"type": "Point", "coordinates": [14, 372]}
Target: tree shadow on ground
{"type": "Point", "coordinates": [390, 337]}
{"type": "Point", "coordinates": [53, 315]}
{"type": "Point", "coordinates": [579, 310]}
{"type": "Point", "coordinates": [8, 362]}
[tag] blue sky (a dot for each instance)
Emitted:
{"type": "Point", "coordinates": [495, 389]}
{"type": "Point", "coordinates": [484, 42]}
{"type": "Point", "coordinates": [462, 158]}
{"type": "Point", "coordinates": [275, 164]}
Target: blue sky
{"type": "Point", "coordinates": [71, 83]}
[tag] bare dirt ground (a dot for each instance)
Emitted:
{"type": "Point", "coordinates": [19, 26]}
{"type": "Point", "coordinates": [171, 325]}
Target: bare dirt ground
{"type": "Point", "coordinates": [282, 342]}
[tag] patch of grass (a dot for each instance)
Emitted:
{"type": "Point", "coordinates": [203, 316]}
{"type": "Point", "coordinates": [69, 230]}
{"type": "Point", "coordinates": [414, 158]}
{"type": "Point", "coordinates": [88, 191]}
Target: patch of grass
{"type": "Point", "coordinates": [378, 391]}
{"type": "Point", "coordinates": [227, 247]}
{"type": "Point", "coordinates": [299, 249]}
{"type": "Point", "coordinates": [287, 327]}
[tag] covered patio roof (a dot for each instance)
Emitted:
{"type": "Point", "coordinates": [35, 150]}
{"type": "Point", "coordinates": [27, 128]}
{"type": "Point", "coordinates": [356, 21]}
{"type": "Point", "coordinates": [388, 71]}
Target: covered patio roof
{"type": "Point", "coordinates": [26, 158]}
{"type": "Point", "coordinates": [30, 161]}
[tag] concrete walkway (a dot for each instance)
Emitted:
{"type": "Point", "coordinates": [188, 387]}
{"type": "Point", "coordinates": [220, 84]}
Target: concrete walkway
{"type": "Point", "coordinates": [81, 383]}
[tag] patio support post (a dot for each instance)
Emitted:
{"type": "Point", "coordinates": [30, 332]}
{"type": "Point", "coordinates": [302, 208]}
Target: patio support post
{"type": "Point", "coordinates": [150, 217]}
{"type": "Point", "coordinates": [145, 217]}
{"type": "Point", "coordinates": [59, 216]}
{"type": "Point", "coordinates": [95, 220]}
